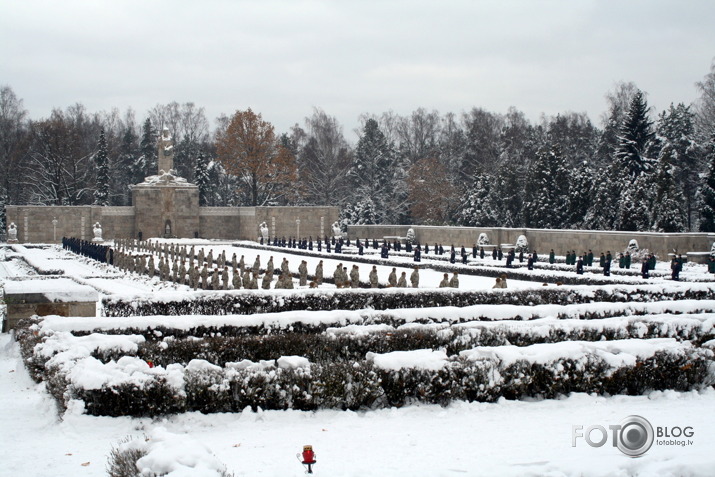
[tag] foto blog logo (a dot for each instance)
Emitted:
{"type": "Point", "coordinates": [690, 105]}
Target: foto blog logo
{"type": "Point", "coordinates": [633, 436]}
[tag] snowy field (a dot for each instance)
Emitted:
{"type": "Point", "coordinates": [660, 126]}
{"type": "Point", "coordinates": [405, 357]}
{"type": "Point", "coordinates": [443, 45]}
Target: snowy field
{"type": "Point", "coordinates": [510, 438]}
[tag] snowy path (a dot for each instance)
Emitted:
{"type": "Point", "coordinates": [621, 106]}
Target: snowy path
{"type": "Point", "coordinates": [509, 438]}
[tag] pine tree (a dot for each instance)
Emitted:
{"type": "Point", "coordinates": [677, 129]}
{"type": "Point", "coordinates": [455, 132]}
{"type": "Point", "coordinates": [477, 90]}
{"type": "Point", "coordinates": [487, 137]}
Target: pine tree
{"type": "Point", "coordinates": [579, 195]}
{"type": "Point", "coordinates": [546, 190]}
{"type": "Point", "coordinates": [635, 205]}
{"type": "Point", "coordinates": [633, 165]}
{"type": "Point", "coordinates": [202, 178]}
{"type": "Point", "coordinates": [601, 214]}
{"type": "Point", "coordinates": [477, 209]}
{"type": "Point", "coordinates": [101, 163]}
{"type": "Point", "coordinates": [676, 127]}
{"type": "Point", "coordinates": [669, 212]}
{"type": "Point", "coordinates": [125, 175]}
{"type": "Point", "coordinates": [3, 218]}
{"type": "Point", "coordinates": [373, 175]}
{"type": "Point", "coordinates": [707, 193]}
{"type": "Point", "coordinates": [146, 165]}
{"type": "Point", "coordinates": [634, 139]}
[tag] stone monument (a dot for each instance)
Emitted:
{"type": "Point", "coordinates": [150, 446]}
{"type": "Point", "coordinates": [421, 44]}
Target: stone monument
{"type": "Point", "coordinates": [12, 233]}
{"type": "Point", "coordinates": [166, 205]}
{"type": "Point", "coordinates": [166, 152]}
{"type": "Point", "coordinates": [336, 230]}
{"type": "Point", "coordinates": [97, 230]}
{"type": "Point", "coordinates": [263, 229]}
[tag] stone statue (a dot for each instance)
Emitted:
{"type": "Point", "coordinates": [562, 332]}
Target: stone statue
{"type": "Point", "coordinates": [483, 239]}
{"type": "Point", "coordinates": [522, 245]}
{"type": "Point", "coordinates": [12, 233]}
{"type": "Point", "coordinates": [166, 152]}
{"type": "Point", "coordinates": [336, 230]}
{"type": "Point", "coordinates": [632, 246]}
{"type": "Point", "coordinates": [97, 230]}
{"type": "Point", "coordinates": [264, 230]}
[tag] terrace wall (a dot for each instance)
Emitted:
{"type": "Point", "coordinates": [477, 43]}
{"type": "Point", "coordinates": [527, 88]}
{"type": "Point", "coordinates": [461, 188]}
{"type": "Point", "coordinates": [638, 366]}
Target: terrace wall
{"type": "Point", "coordinates": [543, 240]}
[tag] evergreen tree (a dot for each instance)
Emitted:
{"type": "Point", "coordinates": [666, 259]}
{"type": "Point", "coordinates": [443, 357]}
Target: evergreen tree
{"type": "Point", "coordinates": [633, 165]}
{"type": "Point", "coordinates": [634, 139]}
{"type": "Point", "coordinates": [707, 193]}
{"type": "Point", "coordinates": [669, 212]}
{"type": "Point", "coordinates": [635, 205]}
{"type": "Point", "coordinates": [3, 218]}
{"type": "Point", "coordinates": [477, 209]}
{"type": "Point", "coordinates": [101, 163]}
{"type": "Point", "coordinates": [676, 127]}
{"type": "Point", "coordinates": [145, 165]}
{"type": "Point", "coordinates": [202, 178]}
{"type": "Point", "coordinates": [546, 190]}
{"type": "Point", "coordinates": [579, 195]}
{"type": "Point", "coordinates": [507, 195]}
{"type": "Point", "coordinates": [601, 214]}
{"type": "Point", "coordinates": [125, 175]}
{"type": "Point", "coordinates": [373, 175]}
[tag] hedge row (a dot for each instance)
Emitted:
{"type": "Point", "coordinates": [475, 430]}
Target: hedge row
{"type": "Point", "coordinates": [249, 302]}
{"type": "Point", "coordinates": [327, 348]}
{"type": "Point", "coordinates": [360, 385]}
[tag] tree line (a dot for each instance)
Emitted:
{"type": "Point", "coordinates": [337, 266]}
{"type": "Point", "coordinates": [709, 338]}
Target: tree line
{"type": "Point", "coordinates": [636, 171]}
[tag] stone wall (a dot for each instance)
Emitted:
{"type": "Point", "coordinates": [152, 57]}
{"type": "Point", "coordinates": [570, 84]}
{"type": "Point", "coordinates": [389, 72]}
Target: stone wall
{"type": "Point", "coordinates": [34, 223]}
{"type": "Point", "coordinates": [220, 222]}
{"type": "Point", "coordinates": [314, 221]}
{"type": "Point", "coordinates": [543, 240]}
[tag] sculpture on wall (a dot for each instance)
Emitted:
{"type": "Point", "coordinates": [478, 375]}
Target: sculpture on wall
{"type": "Point", "coordinates": [522, 245]}
{"type": "Point", "coordinates": [483, 239]}
{"type": "Point", "coordinates": [336, 230]}
{"type": "Point", "coordinates": [263, 229]}
{"type": "Point", "coordinates": [97, 230]}
{"type": "Point", "coordinates": [12, 233]}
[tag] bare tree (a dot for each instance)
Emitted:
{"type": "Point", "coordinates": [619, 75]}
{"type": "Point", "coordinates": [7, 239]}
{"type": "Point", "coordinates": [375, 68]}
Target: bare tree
{"type": "Point", "coordinates": [13, 132]}
{"type": "Point", "coordinates": [705, 105]}
{"type": "Point", "coordinates": [59, 170]}
{"type": "Point", "coordinates": [323, 160]}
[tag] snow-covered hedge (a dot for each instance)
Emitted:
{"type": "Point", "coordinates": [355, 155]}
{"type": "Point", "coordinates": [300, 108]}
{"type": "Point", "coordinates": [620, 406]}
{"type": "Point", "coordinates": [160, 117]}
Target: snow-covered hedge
{"type": "Point", "coordinates": [247, 302]}
{"type": "Point", "coordinates": [473, 376]}
{"type": "Point", "coordinates": [164, 453]}
{"type": "Point", "coordinates": [128, 375]}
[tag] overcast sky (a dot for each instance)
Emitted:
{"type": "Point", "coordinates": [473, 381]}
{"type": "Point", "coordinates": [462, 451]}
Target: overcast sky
{"type": "Point", "coordinates": [282, 58]}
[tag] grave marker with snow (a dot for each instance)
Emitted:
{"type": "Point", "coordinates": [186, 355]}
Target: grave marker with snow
{"type": "Point", "coordinates": [62, 297]}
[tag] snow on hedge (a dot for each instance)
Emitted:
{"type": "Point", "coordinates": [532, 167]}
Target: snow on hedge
{"type": "Point", "coordinates": [416, 359]}
{"type": "Point", "coordinates": [616, 354]}
{"type": "Point", "coordinates": [344, 318]}
{"type": "Point", "coordinates": [172, 455]}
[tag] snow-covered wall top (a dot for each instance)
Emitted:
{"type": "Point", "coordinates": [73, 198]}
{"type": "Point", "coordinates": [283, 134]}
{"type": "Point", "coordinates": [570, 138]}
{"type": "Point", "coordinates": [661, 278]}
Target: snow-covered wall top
{"type": "Point", "coordinates": [61, 290]}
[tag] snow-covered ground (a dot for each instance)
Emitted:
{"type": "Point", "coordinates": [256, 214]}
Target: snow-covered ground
{"type": "Point", "coordinates": [510, 438]}
{"type": "Point", "coordinates": [507, 438]}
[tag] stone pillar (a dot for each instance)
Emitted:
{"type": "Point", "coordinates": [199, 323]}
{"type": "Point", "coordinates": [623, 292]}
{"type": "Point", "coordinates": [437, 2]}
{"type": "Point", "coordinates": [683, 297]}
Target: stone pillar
{"type": "Point", "coordinates": [81, 227]}
{"type": "Point", "coordinates": [322, 227]}
{"type": "Point", "coordinates": [26, 234]}
{"type": "Point", "coordinates": [297, 226]}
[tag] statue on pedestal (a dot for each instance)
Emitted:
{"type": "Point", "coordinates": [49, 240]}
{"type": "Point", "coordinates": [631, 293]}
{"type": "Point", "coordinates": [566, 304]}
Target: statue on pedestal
{"type": "Point", "coordinates": [97, 230]}
{"type": "Point", "coordinates": [263, 228]}
{"type": "Point", "coordinates": [336, 230]}
{"type": "Point", "coordinates": [12, 233]}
